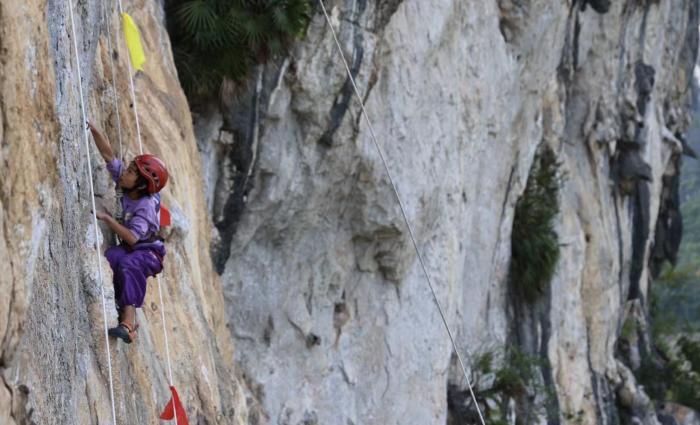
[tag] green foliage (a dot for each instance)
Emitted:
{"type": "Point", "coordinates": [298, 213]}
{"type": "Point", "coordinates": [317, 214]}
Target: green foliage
{"type": "Point", "coordinates": [690, 247]}
{"type": "Point", "coordinates": [629, 327]}
{"type": "Point", "coordinates": [483, 363]}
{"type": "Point", "coordinates": [518, 374]}
{"type": "Point", "coordinates": [675, 295]}
{"type": "Point", "coordinates": [675, 310]}
{"type": "Point", "coordinates": [217, 39]}
{"type": "Point", "coordinates": [677, 380]}
{"type": "Point", "coordinates": [500, 376]}
{"type": "Point", "coordinates": [675, 301]}
{"type": "Point", "coordinates": [674, 375]}
{"type": "Point", "coordinates": [535, 244]}
{"type": "Point", "coordinates": [691, 351]}
{"type": "Point", "coordinates": [686, 388]}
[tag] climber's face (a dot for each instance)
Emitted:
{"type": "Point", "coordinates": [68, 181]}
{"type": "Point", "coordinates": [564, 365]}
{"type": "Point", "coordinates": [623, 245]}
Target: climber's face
{"type": "Point", "coordinates": [128, 179]}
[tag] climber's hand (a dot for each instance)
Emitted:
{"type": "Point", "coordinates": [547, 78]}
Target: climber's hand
{"type": "Point", "coordinates": [101, 215]}
{"type": "Point", "coordinates": [101, 142]}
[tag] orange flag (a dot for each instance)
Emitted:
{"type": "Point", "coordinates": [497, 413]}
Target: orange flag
{"type": "Point", "coordinates": [165, 220]}
{"type": "Point", "coordinates": [175, 407]}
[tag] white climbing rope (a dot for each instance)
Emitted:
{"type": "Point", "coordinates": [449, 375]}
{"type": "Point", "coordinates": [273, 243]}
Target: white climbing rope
{"type": "Point", "coordinates": [158, 279]}
{"type": "Point", "coordinates": [165, 332]}
{"type": "Point", "coordinates": [94, 209]}
{"type": "Point", "coordinates": [403, 210]}
{"type": "Point", "coordinates": [115, 95]}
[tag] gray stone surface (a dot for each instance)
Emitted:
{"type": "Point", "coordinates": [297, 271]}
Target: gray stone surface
{"type": "Point", "coordinates": [53, 359]}
{"type": "Point", "coordinates": [321, 292]}
{"type": "Point", "coordinates": [327, 305]}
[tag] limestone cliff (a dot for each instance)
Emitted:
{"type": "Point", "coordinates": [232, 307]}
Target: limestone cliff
{"type": "Point", "coordinates": [318, 287]}
{"type": "Point", "coordinates": [329, 310]}
{"type": "Point", "coordinates": [52, 356]}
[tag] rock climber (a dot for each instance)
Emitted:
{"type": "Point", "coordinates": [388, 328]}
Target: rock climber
{"type": "Point", "coordinates": [140, 254]}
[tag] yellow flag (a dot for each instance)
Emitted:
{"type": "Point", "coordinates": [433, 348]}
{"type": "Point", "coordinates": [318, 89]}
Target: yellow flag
{"type": "Point", "coordinates": [133, 42]}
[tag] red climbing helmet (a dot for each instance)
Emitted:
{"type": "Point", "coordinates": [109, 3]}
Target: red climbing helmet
{"type": "Point", "coordinates": [153, 170]}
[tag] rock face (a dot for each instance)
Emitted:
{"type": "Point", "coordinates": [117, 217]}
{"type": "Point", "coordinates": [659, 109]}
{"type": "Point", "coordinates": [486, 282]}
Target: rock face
{"type": "Point", "coordinates": [320, 289]}
{"type": "Point", "coordinates": [329, 309]}
{"type": "Point", "coordinates": [52, 353]}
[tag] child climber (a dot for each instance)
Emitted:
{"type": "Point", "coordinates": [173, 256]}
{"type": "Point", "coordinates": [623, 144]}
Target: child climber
{"type": "Point", "coordinates": [140, 254]}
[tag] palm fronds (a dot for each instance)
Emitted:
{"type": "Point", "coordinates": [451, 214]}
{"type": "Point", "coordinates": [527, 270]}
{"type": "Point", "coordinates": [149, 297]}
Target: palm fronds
{"type": "Point", "coordinates": [217, 39]}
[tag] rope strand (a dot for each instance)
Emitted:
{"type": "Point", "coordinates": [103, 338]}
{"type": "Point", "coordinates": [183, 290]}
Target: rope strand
{"type": "Point", "coordinates": [165, 332]}
{"type": "Point", "coordinates": [403, 211]}
{"type": "Point", "coordinates": [94, 210]}
{"type": "Point", "coordinates": [119, 214]}
{"type": "Point", "coordinates": [115, 96]}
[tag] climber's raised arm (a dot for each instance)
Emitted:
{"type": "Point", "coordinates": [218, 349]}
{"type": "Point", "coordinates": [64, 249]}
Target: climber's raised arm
{"type": "Point", "coordinates": [101, 142]}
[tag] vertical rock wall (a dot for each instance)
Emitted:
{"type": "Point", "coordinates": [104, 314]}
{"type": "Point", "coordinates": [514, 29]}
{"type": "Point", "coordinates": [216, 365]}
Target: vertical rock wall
{"type": "Point", "coordinates": [53, 356]}
{"type": "Point", "coordinates": [328, 307]}
{"type": "Point", "coordinates": [321, 292]}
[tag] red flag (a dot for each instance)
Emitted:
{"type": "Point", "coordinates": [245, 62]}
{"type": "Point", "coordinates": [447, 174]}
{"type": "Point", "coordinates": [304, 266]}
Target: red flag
{"type": "Point", "coordinates": [174, 407]}
{"type": "Point", "coordinates": [164, 216]}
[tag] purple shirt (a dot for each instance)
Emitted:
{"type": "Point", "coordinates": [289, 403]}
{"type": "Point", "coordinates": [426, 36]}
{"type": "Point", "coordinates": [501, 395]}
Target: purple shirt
{"type": "Point", "coordinates": [141, 216]}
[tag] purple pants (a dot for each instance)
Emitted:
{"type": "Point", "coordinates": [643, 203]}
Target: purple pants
{"type": "Point", "coordinates": [131, 268]}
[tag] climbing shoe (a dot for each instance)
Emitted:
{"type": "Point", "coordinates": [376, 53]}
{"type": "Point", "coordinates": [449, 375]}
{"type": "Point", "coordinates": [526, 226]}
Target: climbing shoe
{"type": "Point", "coordinates": [124, 332]}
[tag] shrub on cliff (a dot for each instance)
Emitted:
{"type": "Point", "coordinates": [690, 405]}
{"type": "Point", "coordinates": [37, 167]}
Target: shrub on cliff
{"type": "Point", "coordinates": [534, 242]}
{"type": "Point", "coordinates": [214, 40]}
{"type": "Point", "coordinates": [503, 380]}
{"type": "Point", "coordinates": [677, 378]}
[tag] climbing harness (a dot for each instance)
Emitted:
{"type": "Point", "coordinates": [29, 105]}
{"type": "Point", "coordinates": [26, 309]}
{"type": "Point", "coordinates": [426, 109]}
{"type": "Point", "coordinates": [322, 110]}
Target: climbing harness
{"type": "Point", "coordinates": [94, 210]}
{"type": "Point", "coordinates": [403, 210]}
